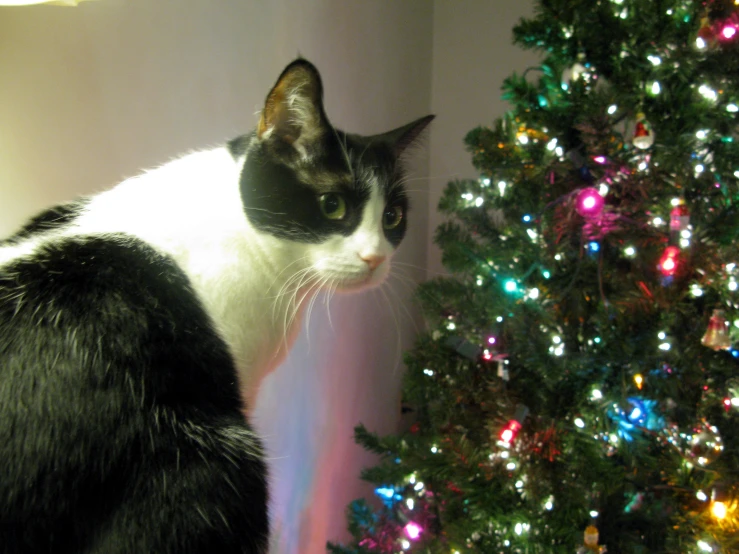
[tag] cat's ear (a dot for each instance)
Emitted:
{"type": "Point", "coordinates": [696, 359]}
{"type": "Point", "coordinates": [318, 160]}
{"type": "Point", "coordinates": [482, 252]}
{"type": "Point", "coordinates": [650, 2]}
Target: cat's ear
{"type": "Point", "coordinates": [405, 136]}
{"type": "Point", "coordinates": [293, 112]}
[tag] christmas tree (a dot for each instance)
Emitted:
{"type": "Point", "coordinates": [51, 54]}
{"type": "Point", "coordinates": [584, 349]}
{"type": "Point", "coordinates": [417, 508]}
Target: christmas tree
{"type": "Point", "coordinates": [577, 389]}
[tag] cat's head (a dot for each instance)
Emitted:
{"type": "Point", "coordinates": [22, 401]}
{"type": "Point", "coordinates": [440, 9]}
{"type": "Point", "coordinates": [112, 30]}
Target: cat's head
{"type": "Point", "coordinates": [339, 197]}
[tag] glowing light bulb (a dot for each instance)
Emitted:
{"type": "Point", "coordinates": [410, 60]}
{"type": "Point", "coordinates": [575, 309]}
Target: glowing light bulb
{"type": "Point", "coordinates": [579, 423]}
{"type": "Point", "coordinates": [728, 32]}
{"type": "Point", "coordinates": [612, 109]}
{"type": "Point", "coordinates": [413, 530]}
{"type": "Point", "coordinates": [589, 202]}
{"type": "Point", "coordinates": [596, 394]}
{"type": "Point", "coordinates": [708, 92]}
{"type": "Point", "coordinates": [668, 262]}
{"type": "Point", "coordinates": [704, 546]}
{"type": "Point", "coordinates": [718, 509]}
{"type": "Point", "coordinates": [656, 88]}
{"type": "Point", "coordinates": [639, 380]}
{"type": "Point", "coordinates": [630, 251]}
{"type": "Point", "coordinates": [702, 496]}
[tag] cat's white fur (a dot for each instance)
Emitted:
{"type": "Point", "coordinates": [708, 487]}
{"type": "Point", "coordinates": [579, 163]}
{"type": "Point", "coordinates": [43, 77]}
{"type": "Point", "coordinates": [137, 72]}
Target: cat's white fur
{"type": "Point", "coordinates": [254, 286]}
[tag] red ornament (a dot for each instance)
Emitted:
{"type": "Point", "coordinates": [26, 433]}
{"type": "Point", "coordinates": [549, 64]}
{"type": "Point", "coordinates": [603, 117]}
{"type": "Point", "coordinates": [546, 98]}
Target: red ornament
{"type": "Point", "coordinates": [668, 263]}
{"type": "Point", "coordinates": [717, 334]}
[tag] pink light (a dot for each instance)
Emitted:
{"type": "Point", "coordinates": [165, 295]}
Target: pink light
{"type": "Point", "coordinates": [600, 159]}
{"type": "Point", "coordinates": [491, 340]}
{"type": "Point", "coordinates": [413, 530]}
{"type": "Point", "coordinates": [728, 32]}
{"type": "Point", "coordinates": [589, 202]}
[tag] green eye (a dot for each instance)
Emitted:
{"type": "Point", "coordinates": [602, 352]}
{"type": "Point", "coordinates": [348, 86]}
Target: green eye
{"type": "Point", "coordinates": [392, 217]}
{"type": "Point", "coordinates": [333, 206]}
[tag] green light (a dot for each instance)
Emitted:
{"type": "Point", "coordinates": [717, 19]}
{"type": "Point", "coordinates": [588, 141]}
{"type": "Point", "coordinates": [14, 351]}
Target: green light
{"type": "Point", "coordinates": [597, 340]}
{"type": "Point", "coordinates": [511, 286]}
{"type": "Point", "coordinates": [546, 274]}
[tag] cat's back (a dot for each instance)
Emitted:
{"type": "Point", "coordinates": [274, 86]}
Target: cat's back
{"type": "Point", "coordinates": [118, 402]}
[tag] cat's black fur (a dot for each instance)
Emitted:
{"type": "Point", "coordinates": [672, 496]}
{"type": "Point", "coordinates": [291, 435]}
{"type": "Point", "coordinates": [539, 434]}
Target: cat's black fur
{"type": "Point", "coordinates": [121, 428]}
{"type": "Point", "coordinates": [121, 420]}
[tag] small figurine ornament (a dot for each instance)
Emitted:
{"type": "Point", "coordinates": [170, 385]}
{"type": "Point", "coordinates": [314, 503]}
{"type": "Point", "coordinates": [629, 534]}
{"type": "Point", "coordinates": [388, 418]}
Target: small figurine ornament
{"type": "Point", "coordinates": [591, 541]}
{"type": "Point", "coordinates": [717, 335]}
{"type": "Point", "coordinates": [643, 133]}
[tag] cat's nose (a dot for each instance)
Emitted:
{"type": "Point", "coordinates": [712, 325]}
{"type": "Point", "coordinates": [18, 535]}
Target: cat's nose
{"type": "Point", "coordinates": [373, 260]}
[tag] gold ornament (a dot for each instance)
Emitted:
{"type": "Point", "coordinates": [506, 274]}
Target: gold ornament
{"type": "Point", "coordinates": [717, 334]}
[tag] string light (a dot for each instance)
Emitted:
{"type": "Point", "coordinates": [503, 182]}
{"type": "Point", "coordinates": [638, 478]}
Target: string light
{"type": "Point", "coordinates": [413, 530]}
{"type": "Point", "coordinates": [707, 92]}
{"type": "Point", "coordinates": [639, 380]}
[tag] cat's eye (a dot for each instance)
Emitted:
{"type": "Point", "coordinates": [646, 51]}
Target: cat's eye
{"type": "Point", "coordinates": [392, 216]}
{"type": "Point", "coordinates": [333, 206]}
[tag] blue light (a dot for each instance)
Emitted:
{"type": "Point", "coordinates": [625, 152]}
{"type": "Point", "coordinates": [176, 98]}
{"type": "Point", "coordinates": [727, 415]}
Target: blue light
{"type": "Point", "coordinates": [526, 218]}
{"type": "Point", "coordinates": [594, 246]}
{"type": "Point", "coordinates": [386, 493]}
{"type": "Point", "coordinates": [546, 274]}
{"type": "Point", "coordinates": [734, 352]}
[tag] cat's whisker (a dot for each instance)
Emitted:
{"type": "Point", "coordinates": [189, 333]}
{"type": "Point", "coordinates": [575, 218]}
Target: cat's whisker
{"type": "Point", "coordinates": [327, 299]}
{"type": "Point", "coordinates": [288, 266]}
{"type": "Point", "coordinates": [421, 268]}
{"type": "Point", "coordinates": [403, 306]}
{"type": "Point", "coordinates": [318, 287]}
{"type": "Point", "coordinates": [283, 299]}
{"type": "Point", "coordinates": [398, 343]}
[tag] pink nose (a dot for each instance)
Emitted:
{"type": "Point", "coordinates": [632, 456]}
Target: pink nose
{"type": "Point", "coordinates": [373, 260]}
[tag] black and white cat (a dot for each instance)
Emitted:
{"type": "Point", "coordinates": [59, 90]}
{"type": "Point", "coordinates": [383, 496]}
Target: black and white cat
{"type": "Point", "coordinates": [137, 324]}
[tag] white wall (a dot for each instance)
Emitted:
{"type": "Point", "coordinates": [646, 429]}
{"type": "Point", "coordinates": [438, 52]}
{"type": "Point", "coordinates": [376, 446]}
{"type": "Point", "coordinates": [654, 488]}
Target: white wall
{"type": "Point", "coordinates": [92, 94]}
{"type": "Point", "coordinates": [473, 54]}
